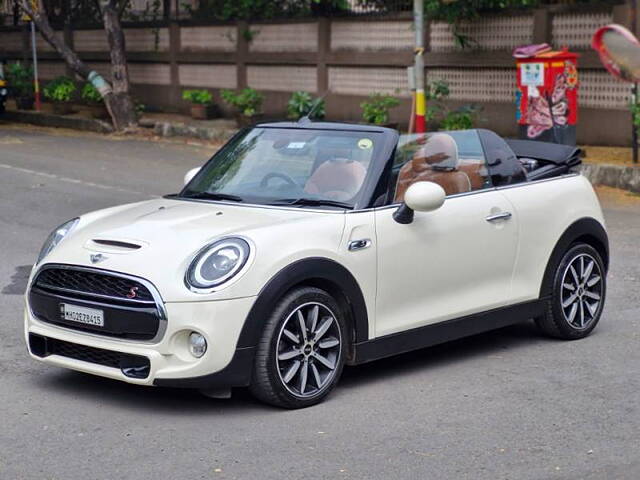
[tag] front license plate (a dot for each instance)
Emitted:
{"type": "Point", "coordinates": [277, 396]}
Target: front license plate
{"type": "Point", "coordinates": [88, 316]}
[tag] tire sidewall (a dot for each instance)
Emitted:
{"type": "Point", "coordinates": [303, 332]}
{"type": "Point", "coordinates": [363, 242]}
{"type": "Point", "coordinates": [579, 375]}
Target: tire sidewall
{"type": "Point", "coordinates": [567, 330]}
{"type": "Point", "coordinates": [283, 310]}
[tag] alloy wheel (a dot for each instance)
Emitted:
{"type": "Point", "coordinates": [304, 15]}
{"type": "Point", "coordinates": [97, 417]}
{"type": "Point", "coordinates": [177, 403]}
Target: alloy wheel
{"type": "Point", "coordinates": [581, 291]}
{"type": "Point", "coordinates": [309, 346]}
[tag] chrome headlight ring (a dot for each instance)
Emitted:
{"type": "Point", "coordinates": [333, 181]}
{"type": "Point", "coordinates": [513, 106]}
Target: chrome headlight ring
{"type": "Point", "coordinates": [218, 263]}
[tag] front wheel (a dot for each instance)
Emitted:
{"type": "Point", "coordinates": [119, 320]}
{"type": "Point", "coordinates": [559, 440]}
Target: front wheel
{"type": "Point", "coordinates": [301, 354]}
{"type": "Point", "coordinates": [578, 295]}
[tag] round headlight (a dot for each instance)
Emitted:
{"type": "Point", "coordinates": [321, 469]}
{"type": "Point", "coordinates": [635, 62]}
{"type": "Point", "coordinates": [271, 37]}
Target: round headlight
{"type": "Point", "coordinates": [56, 237]}
{"type": "Point", "coordinates": [217, 263]}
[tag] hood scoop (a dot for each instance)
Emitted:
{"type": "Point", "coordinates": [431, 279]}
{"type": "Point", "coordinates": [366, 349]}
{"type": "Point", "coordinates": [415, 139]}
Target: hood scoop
{"type": "Point", "coordinates": [114, 245]}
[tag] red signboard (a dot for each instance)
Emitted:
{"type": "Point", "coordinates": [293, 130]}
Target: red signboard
{"type": "Point", "coordinates": [548, 96]}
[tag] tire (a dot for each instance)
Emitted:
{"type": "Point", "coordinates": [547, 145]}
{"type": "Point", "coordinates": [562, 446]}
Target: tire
{"type": "Point", "coordinates": [283, 356]}
{"type": "Point", "coordinates": [578, 294]}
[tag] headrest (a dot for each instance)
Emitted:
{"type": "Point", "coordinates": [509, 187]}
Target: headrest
{"type": "Point", "coordinates": [440, 152]}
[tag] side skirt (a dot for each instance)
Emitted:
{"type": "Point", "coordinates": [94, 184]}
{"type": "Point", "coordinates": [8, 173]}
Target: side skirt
{"type": "Point", "coordinates": [446, 331]}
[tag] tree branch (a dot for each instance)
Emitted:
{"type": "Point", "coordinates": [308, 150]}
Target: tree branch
{"type": "Point", "coordinates": [41, 20]}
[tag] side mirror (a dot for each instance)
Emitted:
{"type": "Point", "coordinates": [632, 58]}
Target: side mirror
{"type": "Point", "coordinates": [190, 174]}
{"type": "Point", "coordinates": [419, 197]}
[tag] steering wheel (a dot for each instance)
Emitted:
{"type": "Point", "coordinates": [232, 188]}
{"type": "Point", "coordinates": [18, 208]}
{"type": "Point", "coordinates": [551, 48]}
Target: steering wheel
{"type": "Point", "coordinates": [283, 176]}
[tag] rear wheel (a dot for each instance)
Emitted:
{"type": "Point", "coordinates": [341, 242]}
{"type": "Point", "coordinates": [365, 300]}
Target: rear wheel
{"type": "Point", "coordinates": [578, 294]}
{"type": "Point", "coordinates": [301, 354]}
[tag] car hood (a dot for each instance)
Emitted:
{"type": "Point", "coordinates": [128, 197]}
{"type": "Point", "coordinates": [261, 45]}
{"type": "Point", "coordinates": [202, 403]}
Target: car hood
{"type": "Point", "coordinates": [157, 239]}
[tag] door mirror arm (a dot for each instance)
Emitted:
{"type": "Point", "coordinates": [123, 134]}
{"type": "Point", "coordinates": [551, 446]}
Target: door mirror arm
{"type": "Point", "coordinates": [404, 214]}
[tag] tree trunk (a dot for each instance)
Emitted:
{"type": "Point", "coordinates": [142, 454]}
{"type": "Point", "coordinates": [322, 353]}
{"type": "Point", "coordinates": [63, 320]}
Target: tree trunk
{"type": "Point", "coordinates": [121, 103]}
{"type": "Point", "coordinates": [116, 99]}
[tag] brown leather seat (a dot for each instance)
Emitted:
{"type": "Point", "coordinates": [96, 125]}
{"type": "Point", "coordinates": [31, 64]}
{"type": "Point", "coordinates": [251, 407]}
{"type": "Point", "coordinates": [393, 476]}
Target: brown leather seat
{"type": "Point", "coordinates": [436, 161]}
{"type": "Point", "coordinates": [474, 171]}
{"type": "Point", "coordinates": [338, 179]}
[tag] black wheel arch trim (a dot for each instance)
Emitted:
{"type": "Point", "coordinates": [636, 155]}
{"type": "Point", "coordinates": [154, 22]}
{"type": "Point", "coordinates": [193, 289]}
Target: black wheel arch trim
{"type": "Point", "coordinates": [586, 229]}
{"type": "Point", "coordinates": [306, 270]}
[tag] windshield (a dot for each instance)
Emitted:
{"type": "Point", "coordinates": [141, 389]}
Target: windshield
{"type": "Point", "coordinates": [288, 166]}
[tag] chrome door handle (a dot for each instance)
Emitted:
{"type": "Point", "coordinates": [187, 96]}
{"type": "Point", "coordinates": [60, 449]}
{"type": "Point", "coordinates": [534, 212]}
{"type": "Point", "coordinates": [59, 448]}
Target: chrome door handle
{"type": "Point", "coordinates": [498, 216]}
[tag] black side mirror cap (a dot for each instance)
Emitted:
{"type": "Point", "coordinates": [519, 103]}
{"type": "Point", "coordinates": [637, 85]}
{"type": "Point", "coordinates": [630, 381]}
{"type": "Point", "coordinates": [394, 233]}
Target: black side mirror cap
{"type": "Point", "coordinates": [404, 214]}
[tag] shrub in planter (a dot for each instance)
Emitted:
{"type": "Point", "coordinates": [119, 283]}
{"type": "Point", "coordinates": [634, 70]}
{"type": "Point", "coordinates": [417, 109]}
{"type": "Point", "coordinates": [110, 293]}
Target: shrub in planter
{"type": "Point", "coordinates": [376, 109]}
{"type": "Point", "coordinates": [94, 101]}
{"type": "Point", "coordinates": [463, 118]}
{"type": "Point", "coordinates": [20, 80]}
{"type": "Point", "coordinates": [247, 102]}
{"type": "Point", "coordinates": [200, 100]}
{"type": "Point", "coordinates": [60, 91]}
{"type": "Point", "coordinates": [302, 103]}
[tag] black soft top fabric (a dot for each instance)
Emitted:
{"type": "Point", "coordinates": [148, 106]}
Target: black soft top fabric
{"type": "Point", "coordinates": [545, 151]}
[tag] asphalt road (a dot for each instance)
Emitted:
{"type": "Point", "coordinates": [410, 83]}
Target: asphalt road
{"type": "Point", "coordinates": [503, 405]}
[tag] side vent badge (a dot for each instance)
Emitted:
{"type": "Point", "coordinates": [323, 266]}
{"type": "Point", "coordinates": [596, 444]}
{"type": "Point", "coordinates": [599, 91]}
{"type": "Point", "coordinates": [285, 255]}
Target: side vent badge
{"type": "Point", "coordinates": [359, 244]}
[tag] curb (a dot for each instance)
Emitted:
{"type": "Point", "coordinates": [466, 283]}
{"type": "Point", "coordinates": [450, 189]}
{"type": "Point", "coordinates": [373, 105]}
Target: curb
{"type": "Point", "coordinates": [166, 129]}
{"type": "Point", "coordinates": [58, 121]}
{"type": "Point", "coordinates": [617, 176]}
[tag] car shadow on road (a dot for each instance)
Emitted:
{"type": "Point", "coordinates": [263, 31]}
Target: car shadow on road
{"type": "Point", "coordinates": [182, 402]}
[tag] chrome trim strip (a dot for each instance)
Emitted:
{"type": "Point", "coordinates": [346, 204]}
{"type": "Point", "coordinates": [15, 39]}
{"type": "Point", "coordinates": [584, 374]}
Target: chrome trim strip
{"type": "Point", "coordinates": [159, 302]}
{"type": "Point", "coordinates": [552, 179]}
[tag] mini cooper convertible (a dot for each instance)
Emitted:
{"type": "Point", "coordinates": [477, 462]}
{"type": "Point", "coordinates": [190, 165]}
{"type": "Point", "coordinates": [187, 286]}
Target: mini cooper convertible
{"type": "Point", "coordinates": [299, 248]}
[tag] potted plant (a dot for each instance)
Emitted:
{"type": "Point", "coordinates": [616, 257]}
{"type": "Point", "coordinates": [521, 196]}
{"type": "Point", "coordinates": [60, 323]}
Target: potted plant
{"type": "Point", "coordinates": [301, 104]}
{"type": "Point", "coordinates": [376, 109]}
{"type": "Point", "coordinates": [60, 91]}
{"type": "Point", "coordinates": [20, 80]}
{"type": "Point", "coordinates": [247, 102]}
{"type": "Point", "coordinates": [92, 97]}
{"type": "Point", "coordinates": [200, 100]}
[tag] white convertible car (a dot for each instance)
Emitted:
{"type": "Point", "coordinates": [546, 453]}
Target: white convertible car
{"type": "Point", "coordinates": [301, 247]}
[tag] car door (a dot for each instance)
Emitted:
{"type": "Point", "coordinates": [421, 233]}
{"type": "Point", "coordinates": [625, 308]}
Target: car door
{"type": "Point", "coordinates": [448, 263]}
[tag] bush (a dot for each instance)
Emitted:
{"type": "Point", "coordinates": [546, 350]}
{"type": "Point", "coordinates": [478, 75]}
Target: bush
{"type": "Point", "coordinates": [90, 94]}
{"type": "Point", "coordinates": [301, 103]}
{"type": "Point", "coordinates": [462, 119]}
{"type": "Point", "coordinates": [60, 90]}
{"type": "Point", "coordinates": [248, 101]}
{"type": "Point", "coordinates": [200, 97]}
{"type": "Point", "coordinates": [20, 79]}
{"type": "Point", "coordinates": [436, 93]}
{"type": "Point", "coordinates": [376, 109]}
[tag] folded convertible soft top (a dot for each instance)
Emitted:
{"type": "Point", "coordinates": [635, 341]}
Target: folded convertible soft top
{"type": "Point", "coordinates": [546, 152]}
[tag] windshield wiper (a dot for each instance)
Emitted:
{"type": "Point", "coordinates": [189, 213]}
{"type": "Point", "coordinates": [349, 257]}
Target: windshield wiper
{"type": "Point", "coordinates": [214, 196]}
{"type": "Point", "coordinates": [312, 202]}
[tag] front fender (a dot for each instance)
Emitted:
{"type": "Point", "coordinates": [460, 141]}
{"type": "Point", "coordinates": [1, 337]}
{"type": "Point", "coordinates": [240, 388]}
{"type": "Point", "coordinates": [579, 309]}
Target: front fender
{"type": "Point", "coordinates": [301, 271]}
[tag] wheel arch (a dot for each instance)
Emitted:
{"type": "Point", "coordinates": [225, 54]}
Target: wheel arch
{"type": "Point", "coordinates": [587, 230]}
{"type": "Point", "coordinates": [319, 272]}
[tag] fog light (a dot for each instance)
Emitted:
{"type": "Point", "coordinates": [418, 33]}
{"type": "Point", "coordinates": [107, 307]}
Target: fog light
{"type": "Point", "coordinates": [197, 344]}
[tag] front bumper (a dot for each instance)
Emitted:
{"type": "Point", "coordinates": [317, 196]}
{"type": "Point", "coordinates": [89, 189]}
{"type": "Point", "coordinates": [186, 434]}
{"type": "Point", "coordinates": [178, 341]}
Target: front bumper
{"type": "Point", "coordinates": [169, 360]}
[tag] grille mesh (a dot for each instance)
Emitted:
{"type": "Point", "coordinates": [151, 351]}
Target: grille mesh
{"type": "Point", "coordinates": [136, 366]}
{"type": "Point", "coordinates": [92, 283]}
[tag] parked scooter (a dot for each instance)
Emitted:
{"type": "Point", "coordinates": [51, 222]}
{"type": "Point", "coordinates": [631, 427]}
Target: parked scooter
{"type": "Point", "coordinates": [4, 91]}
